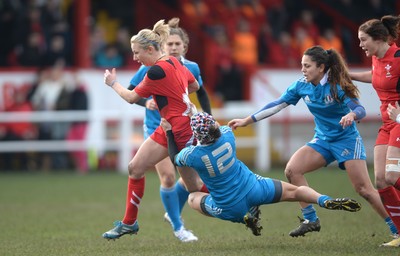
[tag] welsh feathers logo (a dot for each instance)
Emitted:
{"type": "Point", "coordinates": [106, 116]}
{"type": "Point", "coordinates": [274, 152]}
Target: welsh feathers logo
{"type": "Point", "coordinates": [388, 68]}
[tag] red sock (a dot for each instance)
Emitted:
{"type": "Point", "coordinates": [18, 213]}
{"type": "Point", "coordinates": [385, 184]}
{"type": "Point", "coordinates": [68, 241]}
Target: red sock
{"type": "Point", "coordinates": [397, 185]}
{"type": "Point", "coordinates": [133, 198]}
{"type": "Point", "coordinates": [204, 189]}
{"type": "Point", "coordinates": [391, 203]}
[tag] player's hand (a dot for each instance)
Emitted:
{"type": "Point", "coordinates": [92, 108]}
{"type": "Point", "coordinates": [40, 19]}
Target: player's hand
{"type": "Point", "coordinates": [193, 109]}
{"type": "Point", "coordinates": [110, 77]}
{"type": "Point", "coordinates": [235, 123]}
{"type": "Point", "coordinates": [393, 111]}
{"type": "Point", "coordinates": [165, 125]}
{"type": "Point", "coordinates": [151, 104]}
{"type": "Point", "coordinates": [347, 120]}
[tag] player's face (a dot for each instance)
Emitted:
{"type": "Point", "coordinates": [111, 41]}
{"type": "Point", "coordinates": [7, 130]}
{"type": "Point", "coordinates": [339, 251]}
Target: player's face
{"type": "Point", "coordinates": [311, 72]}
{"type": "Point", "coordinates": [141, 55]}
{"type": "Point", "coordinates": [174, 46]}
{"type": "Point", "coordinates": [369, 45]}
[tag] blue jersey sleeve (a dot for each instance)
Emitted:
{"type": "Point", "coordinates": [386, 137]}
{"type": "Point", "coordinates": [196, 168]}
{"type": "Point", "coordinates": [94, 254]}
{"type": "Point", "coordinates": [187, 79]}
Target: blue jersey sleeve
{"type": "Point", "coordinates": [291, 95]}
{"type": "Point", "coordinates": [194, 69]}
{"type": "Point", "coordinates": [139, 75]}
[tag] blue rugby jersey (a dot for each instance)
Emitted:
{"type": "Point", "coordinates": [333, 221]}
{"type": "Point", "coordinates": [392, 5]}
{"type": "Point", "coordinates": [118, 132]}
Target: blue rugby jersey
{"type": "Point", "coordinates": [327, 112]}
{"type": "Point", "coordinates": [227, 178]}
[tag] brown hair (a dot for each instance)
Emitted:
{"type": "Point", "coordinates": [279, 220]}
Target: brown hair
{"type": "Point", "coordinates": [176, 30]}
{"type": "Point", "coordinates": [386, 29]}
{"type": "Point", "coordinates": [338, 71]}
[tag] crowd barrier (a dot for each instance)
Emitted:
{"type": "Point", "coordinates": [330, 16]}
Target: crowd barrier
{"type": "Point", "coordinates": [129, 121]}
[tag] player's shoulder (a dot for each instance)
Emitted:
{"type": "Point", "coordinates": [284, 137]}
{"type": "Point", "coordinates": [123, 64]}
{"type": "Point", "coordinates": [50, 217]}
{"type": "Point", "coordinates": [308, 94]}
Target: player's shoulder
{"type": "Point", "coordinates": [187, 62]}
{"type": "Point", "coordinates": [225, 129]}
{"type": "Point", "coordinates": [299, 84]}
{"type": "Point", "coordinates": [187, 152]}
{"type": "Point", "coordinates": [156, 72]}
{"type": "Point", "coordinates": [301, 80]}
{"type": "Point", "coordinates": [143, 68]}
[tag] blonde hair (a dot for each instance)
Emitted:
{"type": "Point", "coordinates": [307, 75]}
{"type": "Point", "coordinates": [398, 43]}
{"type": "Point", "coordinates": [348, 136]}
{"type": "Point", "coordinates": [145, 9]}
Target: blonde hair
{"type": "Point", "coordinates": [155, 37]}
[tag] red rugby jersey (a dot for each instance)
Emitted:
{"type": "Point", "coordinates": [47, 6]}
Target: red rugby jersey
{"type": "Point", "coordinates": [167, 81]}
{"type": "Point", "coordinates": [386, 79]}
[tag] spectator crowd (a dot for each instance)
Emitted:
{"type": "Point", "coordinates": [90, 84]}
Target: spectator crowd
{"type": "Point", "coordinates": [240, 36]}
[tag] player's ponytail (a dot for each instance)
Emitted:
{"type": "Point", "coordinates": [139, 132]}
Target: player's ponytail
{"type": "Point", "coordinates": [155, 37]}
{"type": "Point", "coordinates": [176, 30]}
{"type": "Point", "coordinates": [392, 24]}
{"type": "Point", "coordinates": [339, 74]}
{"type": "Point", "coordinates": [336, 68]}
{"type": "Point", "coordinates": [162, 31]}
{"type": "Point", "coordinates": [386, 29]}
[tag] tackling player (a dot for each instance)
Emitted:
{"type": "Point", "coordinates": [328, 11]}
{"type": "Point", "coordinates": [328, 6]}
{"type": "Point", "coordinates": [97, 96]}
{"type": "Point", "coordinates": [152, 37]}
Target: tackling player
{"type": "Point", "coordinates": [233, 188]}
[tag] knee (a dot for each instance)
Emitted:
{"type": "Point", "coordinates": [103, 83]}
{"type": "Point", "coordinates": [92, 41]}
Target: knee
{"type": "Point", "coordinates": [288, 173]}
{"type": "Point", "coordinates": [167, 180]}
{"type": "Point", "coordinates": [392, 170]}
{"type": "Point", "coordinates": [191, 198]}
{"type": "Point", "coordinates": [291, 172]}
{"type": "Point", "coordinates": [380, 182]}
{"type": "Point", "coordinates": [391, 178]}
{"type": "Point", "coordinates": [134, 171]}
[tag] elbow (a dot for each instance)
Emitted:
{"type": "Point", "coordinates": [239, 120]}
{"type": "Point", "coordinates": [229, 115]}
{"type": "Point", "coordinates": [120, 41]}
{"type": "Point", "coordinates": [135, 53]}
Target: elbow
{"type": "Point", "coordinates": [361, 116]}
{"type": "Point", "coordinates": [360, 113]}
{"type": "Point", "coordinates": [130, 101]}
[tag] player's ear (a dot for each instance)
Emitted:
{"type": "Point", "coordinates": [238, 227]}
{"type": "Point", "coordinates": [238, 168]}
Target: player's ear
{"type": "Point", "coordinates": [321, 67]}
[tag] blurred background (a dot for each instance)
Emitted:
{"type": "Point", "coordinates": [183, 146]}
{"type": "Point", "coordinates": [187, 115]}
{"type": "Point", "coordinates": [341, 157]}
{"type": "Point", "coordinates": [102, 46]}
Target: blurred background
{"type": "Point", "coordinates": [56, 113]}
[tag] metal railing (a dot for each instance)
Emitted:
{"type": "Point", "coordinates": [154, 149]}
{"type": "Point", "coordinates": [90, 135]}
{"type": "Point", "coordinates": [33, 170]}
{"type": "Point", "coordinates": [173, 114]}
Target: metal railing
{"type": "Point", "coordinates": [97, 140]}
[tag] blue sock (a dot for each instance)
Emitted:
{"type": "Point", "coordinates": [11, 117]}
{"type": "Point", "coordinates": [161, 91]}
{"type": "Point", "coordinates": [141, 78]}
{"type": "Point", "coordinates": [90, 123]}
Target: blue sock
{"type": "Point", "coordinates": [182, 195]}
{"type": "Point", "coordinates": [309, 213]}
{"type": "Point", "coordinates": [391, 225]}
{"type": "Point", "coordinates": [322, 199]}
{"type": "Point", "coordinates": [170, 201]}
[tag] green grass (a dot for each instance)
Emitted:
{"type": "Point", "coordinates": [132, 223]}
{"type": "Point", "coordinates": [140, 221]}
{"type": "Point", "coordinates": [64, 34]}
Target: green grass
{"type": "Point", "coordinates": [65, 214]}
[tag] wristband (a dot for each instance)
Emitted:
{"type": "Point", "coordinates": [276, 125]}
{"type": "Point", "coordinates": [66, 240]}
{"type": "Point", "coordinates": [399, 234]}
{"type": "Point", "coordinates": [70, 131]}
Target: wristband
{"type": "Point", "coordinates": [112, 83]}
{"type": "Point", "coordinates": [398, 119]}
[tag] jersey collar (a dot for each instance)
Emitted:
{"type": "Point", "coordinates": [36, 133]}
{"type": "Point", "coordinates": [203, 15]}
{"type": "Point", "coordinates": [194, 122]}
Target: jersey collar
{"type": "Point", "coordinates": [324, 79]}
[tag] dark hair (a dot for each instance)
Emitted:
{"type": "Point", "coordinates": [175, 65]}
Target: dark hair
{"type": "Point", "coordinates": [214, 132]}
{"type": "Point", "coordinates": [176, 30]}
{"type": "Point", "coordinates": [338, 71]}
{"type": "Point", "coordinates": [386, 29]}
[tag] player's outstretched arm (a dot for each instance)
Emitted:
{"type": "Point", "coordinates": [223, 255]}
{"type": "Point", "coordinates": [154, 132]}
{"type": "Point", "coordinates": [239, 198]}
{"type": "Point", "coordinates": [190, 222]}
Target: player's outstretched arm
{"type": "Point", "coordinates": [365, 77]}
{"type": "Point", "coordinates": [110, 79]}
{"type": "Point", "coordinates": [235, 123]}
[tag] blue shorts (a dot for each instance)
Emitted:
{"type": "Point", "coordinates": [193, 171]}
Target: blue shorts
{"type": "Point", "coordinates": [265, 191]}
{"type": "Point", "coordinates": [341, 150]}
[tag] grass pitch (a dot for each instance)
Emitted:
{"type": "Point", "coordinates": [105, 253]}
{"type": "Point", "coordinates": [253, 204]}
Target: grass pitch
{"type": "Point", "coordinates": [66, 214]}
